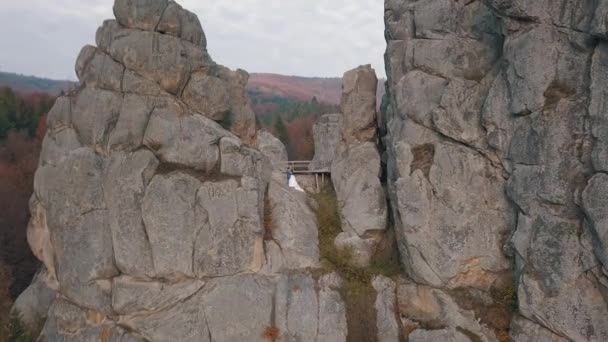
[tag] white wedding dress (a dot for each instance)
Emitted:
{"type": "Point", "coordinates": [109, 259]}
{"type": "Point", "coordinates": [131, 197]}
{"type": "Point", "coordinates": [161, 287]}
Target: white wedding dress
{"type": "Point", "coordinates": [293, 183]}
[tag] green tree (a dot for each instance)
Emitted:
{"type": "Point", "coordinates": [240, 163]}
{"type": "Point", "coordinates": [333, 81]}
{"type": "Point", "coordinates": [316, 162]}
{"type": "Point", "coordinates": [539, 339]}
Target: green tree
{"type": "Point", "coordinates": [281, 130]}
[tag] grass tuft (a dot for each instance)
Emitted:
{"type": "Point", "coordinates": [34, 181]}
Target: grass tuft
{"type": "Point", "coordinates": [357, 290]}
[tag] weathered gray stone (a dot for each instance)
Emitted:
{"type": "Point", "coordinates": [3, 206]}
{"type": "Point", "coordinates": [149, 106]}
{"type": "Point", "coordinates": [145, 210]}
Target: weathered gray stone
{"type": "Point", "coordinates": [178, 137]}
{"type": "Point", "coordinates": [238, 308]}
{"type": "Point", "coordinates": [595, 204]}
{"type": "Point", "coordinates": [386, 309]}
{"type": "Point", "coordinates": [130, 127]}
{"type": "Point", "coordinates": [77, 221]}
{"type": "Point", "coordinates": [130, 295]}
{"type": "Point", "coordinates": [132, 83]}
{"type": "Point", "coordinates": [432, 307]}
{"type": "Point", "coordinates": [468, 117]}
{"type": "Point", "coordinates": [361, 199]}
{"type": "Point", "coordinates": [242, 117]}
{"type": "Point", "coordinates": [460, 255]}
{"type": "Point", "coordinates": [33, 304]}
{"type": "Point", "coordinates": [60, 116]}
{"type": "Point", "coordinates": [598, 108]}
{"type": "Point", "coordinates": [207, 95]}
{"type": "Point", "coordinates": [85, 262]}
{"type": "Point", "coordinates": [271, 147]}
{"type": "Point", "coordinates": [359, 104]}
{"type": "Point", "coordinates": [327, 133]}
{"type": "Point", "coordinates": [164, 59]}
{"type": "Point", "coordinates": [173, 219]}
{"type": "Point", "coordinates": [237, 159]}
{"type": "Point", "coordinates": [67, 198]}
{"type": "Point", "coordinates": [57, 145]}
{"type": "Point", "coordinates": [140, 14]}
{"type": "Point", "coordinates": [98, 70]}
{"type": "Point", "coordinates": [186, 321]}
{"type": "Point", "coordinates": [444, 335]}
{"type": "Point", "coordinates": [294, 225]}
{"type": "Point", "coordinates": [182, 23]}
{"type": "Point", "coordinates": [332, 310]}
{"type": "Point", "coordinates": [527, 331]}
{"type": "Point", "coordinates": [94, 115]}
{"type": "Point", "coordinates": [126, 179]}
{"type": "Point", "coordinates": [231, 240]}
{"type": "Point", "coordinates": [297, 308]}
{"type": "Point", "coordinates": [39, 239]}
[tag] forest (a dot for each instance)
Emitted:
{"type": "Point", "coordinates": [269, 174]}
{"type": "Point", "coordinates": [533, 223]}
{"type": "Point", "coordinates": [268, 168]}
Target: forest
{"type": "Point", "coordinates": [22, 127]}
{"type": "Point", "coordinates": [290, 120]}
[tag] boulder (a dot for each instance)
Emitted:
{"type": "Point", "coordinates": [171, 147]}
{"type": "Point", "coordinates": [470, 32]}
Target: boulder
{"type": "Point", "coordinates": [171, 232]}
{"type": "Point", "coordinates": [124, 186]}
{"type": "Point", "coordinates": [208, 96]}
{"type": "Point", "coordinates": [386, 311]}
{"type": "Point", "coordinates": [140, 14]}
{"type": "Point", "coordinates": [332, 310]}
{"type": "Point", "coordinates": [271, 147]}
{"type": "Point", "coordinates": [231, 241]}
{"type": "Point", "coordinates": [238, 308]}
{"type": "Point", "coordinates": [327, 134]}
{"type": "Point", "coordinates": [33, 304]}
{"type": "Point", "coordinates": [180, 137]}
{"type": "Point", "coordinates": [182, 23]}
{"type": "Point", "coordinates": [294, 225]}
{"type": "Point", "coordinates": [358, 104]}
{"type": "Point", "coordinates": [493, 127]}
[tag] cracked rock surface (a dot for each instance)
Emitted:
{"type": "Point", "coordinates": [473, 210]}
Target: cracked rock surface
{"type": "Point", "coordinates": [149, 203]}
{"type": "Point", "coordinates": [495, 146]}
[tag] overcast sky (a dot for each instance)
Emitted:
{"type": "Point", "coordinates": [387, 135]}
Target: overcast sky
{"type": "Point", "coordinates": [293, 37]}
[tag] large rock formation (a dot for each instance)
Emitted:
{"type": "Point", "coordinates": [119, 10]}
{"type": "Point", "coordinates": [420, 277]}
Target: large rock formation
{"type": "Point", "coordinates": [495, 130]}
{"type": "Point", "coordinates": [327, 133]}
{"type": "Point", "coordinates": [157, 215]}
{"type": "Point", "coordinates": [149, 206]}
{"type": "Point", "coordinates": [356, 169]}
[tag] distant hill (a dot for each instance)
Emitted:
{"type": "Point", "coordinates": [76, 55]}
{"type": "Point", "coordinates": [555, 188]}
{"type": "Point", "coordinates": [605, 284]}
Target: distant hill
{"type": "Point", "coordinates": [29, 84]}
{"type": "Point", "coordinates": [327, 90]}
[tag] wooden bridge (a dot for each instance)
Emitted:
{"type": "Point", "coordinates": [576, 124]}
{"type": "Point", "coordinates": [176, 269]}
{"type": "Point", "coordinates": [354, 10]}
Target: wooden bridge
{"type": "Point", "coordinates": [303, 167]}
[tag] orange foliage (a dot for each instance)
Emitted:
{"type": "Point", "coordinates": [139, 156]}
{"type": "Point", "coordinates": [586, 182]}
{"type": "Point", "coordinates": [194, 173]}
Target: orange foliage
{"type": "Point", "coordinates": [301, 138]}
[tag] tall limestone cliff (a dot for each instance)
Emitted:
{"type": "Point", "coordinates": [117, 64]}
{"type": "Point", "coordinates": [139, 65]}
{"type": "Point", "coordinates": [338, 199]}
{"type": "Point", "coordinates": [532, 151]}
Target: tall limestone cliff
{"type": "Point", "coordinates": [495, 135]}
{"type": "Point", "coordinates": [155, 217]}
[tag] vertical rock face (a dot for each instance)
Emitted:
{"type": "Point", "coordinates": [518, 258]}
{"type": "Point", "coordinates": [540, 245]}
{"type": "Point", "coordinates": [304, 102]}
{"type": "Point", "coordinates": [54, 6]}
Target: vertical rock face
{"type": "Point", "coordinates": [356, 169]}
{"type": "Point", "coordinates": [495, 148]}
{"type": "Point", "coordinates": [327, 133]}
{"type": "Point", "coordinates": [149, 206]}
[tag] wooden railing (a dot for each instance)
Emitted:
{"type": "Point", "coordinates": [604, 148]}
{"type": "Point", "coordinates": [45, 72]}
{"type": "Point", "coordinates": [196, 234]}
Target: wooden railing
{"type": "Point", "coordinates": [303, 167]}
{"type": "Point", "coordinates": [298, 167]}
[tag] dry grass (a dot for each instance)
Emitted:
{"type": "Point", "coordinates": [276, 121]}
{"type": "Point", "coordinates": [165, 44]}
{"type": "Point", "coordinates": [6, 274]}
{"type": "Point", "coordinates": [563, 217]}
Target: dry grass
{"type": "Point", "coordinates": [423, 158]}
{"type": "Point", "coordinates": [357, 291]}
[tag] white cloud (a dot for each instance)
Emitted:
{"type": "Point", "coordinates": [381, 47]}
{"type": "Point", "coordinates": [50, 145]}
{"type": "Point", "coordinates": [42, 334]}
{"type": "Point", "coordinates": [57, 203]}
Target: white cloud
{"type": "Point", "coordinates": [296, 37]}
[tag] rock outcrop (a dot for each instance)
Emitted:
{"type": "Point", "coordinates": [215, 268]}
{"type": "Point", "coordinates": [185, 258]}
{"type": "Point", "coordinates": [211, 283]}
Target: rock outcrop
{"type": "Point", "coordinates": [356, 169]}
{"type": "Point", "coordinates": [149, 212]}
{"type": "Point", "coordinates": [327, 133]}
{"type": "Point", "coordinates": [272, 147]}
{"type": "Point", "coordinates": [158, 217]}
{"type": "Point", "coordinates": [495, 159]}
